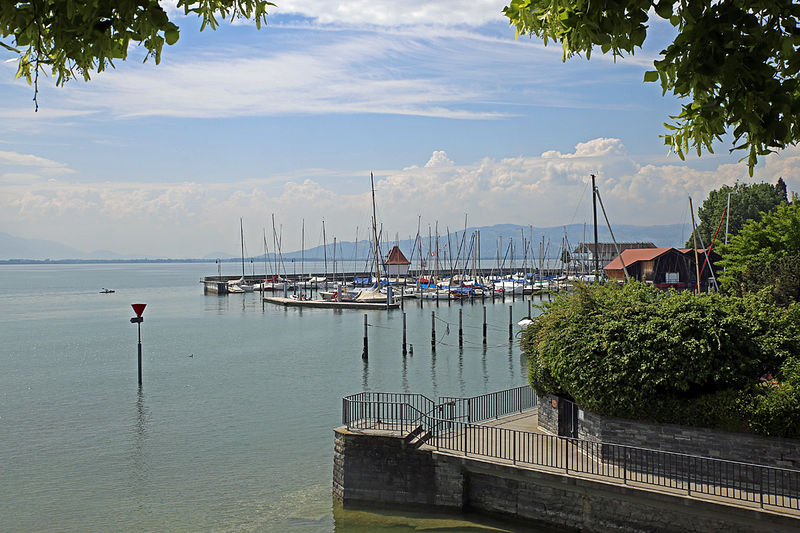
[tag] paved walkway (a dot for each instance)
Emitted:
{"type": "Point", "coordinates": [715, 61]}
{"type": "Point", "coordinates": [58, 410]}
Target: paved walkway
{"type": "Point", "coordinates": [528, 446]}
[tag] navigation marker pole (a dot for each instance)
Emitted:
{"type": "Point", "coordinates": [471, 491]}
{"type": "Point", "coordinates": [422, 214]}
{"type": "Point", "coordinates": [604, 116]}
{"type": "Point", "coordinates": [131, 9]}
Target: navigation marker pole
{"type": "Point", "coordinates": [138, 319]}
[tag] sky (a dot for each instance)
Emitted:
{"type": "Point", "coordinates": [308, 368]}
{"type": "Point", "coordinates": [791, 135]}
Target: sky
{"type": "Point", "coordinates": [453, 115]}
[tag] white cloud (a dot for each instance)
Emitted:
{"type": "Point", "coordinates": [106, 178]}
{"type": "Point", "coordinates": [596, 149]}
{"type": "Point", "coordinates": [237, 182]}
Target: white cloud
{"type": "Point", "coordinates": [388, 13]}
{"type": "Point", "coordinates": [439, 159]}
{"type": "Point", "coordinates": [422, 71]}
{"type": "Point", "coordinates": [192, 219]}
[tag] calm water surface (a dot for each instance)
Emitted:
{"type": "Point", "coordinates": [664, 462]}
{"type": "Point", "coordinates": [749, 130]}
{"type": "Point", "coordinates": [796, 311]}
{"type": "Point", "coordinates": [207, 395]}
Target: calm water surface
{"type": "Point", "coordinates": [236, 438]}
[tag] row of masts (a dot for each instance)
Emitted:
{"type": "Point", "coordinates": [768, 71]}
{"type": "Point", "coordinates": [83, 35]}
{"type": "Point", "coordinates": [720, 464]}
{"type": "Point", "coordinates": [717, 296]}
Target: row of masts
{"type": "Point", "coordinates": [472, 252]}
{"type": "Point", "coordinates": [468, 259]}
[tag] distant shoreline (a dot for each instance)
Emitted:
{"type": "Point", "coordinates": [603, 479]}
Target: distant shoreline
{"type": "Point", "coordinates": [121, 261]}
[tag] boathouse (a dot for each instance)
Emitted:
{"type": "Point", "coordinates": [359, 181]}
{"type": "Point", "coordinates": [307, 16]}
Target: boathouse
{"type": "Point", "coordinates": [396, 263]}
{"type": "Point", "coordinates": [663, 267]}
{"type": "Point", "coordinates": [605, 252]}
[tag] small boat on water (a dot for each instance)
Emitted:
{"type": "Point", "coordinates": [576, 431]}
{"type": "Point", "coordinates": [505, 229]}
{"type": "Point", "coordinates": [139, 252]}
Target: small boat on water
{"type": "Point", "coordinates": [107, 291]}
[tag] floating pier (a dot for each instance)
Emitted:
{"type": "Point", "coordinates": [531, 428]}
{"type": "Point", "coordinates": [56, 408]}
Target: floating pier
{"type": "Point", "coordinates": [329, 304]}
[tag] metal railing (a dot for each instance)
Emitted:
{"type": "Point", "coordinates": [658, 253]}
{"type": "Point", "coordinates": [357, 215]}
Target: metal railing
{"type": "Point", "coordinates": [489, 406]}
{"type": "Point", "coordinates": [446, 428]}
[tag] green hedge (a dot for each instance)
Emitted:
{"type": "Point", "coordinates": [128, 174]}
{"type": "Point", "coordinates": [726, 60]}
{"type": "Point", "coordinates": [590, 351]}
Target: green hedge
{"type": "Point", "coordinates": [634, 351]}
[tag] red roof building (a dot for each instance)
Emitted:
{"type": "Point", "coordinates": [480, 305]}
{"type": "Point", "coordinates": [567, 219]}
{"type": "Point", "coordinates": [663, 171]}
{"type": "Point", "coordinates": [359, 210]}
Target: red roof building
{"type": "Point", "coordinates": [396, 263]}
{"type": "Point", "coordinates": [663, 267]}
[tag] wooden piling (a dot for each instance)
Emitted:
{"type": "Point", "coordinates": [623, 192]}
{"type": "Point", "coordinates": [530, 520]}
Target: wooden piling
{"type": "Point", "coordinates": [433, 330]}
{"type": "Point", "coordinates": [484, 324]}
{"type": "Point", "coordinates": [404, 333]}
{"type": "Point", "coordinates": [365, 353]}
{"type": "Point", "coordinates": [460, 330]}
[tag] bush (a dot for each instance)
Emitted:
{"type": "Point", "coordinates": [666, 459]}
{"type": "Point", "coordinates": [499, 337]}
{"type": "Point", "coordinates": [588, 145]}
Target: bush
{"type": "Point", "coordinates": [634, 351]}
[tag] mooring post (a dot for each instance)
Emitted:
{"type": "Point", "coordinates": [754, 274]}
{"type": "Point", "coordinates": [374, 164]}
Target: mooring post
{"type": "Point", "coordinates": [365, 353]}
{"type": "Point", "coordinates": [404, 333]}
{"type": "Point", "coordinates": [529, 309]}
{"type": "Point", "coordinates": [484, 324]}
{"type": "Point", "coordinates": [460, 330]}
{"type": "Point", "coordinates": [510, 323]}
{"type": "Point", "coordinates": [402, 300]}
{"type": "Point", "coordinates": [433, 330]}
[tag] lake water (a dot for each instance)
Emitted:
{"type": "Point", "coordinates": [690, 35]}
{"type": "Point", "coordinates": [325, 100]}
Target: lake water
{"type": "Point", "coordinates": [236, 438]}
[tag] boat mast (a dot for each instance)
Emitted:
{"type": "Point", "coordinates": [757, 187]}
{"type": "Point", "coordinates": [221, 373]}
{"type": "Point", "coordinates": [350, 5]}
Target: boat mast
{"type": "Point", "coordinates": [596, 250]}
{"type": "Point", "coordinates": [375, 231]}
{"type": "Point", "coordinates": [325, 252]}
{"type": "Point", "coordinates": [694, 241]}
{"type": "Point", "coordinates": [241, 233]}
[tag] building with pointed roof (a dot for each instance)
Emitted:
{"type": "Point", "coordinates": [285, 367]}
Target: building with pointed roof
{"type": "Point", "coordinates": [396, 263]}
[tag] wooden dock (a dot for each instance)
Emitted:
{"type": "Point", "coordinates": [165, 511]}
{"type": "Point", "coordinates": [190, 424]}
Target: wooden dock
{"type": "Point", "coordinates": [329, 304]}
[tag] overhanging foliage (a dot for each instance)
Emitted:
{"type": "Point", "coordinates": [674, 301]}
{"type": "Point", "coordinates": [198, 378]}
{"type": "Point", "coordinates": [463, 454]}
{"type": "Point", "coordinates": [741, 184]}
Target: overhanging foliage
{"type": "Point", "coordinates": [735, 61]}
{"type": "Point", "coordinates": [75, 38]}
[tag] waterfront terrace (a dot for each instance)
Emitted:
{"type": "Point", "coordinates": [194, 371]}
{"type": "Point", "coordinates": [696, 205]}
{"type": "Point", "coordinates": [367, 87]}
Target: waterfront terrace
{"type": "Point", "coordinates": [489, 454]}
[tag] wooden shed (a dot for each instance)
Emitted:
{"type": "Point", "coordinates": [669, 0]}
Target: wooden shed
{"type": "Point", "coordinates": [663, 267]}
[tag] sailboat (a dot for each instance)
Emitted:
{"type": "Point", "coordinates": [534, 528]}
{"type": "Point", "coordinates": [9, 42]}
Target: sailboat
{"type": "Point", "coordinates": [373, 294]}
{"type": "Point", "coordinates": [239, 285]}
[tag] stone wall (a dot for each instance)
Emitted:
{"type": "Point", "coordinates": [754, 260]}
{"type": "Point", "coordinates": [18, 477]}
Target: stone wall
{"type": "Point", "coordinates": [385, 469]}
{"type": "Point", "coordinates": [548, 413]}
{"type": "Point", "coordinates": [743, 447]}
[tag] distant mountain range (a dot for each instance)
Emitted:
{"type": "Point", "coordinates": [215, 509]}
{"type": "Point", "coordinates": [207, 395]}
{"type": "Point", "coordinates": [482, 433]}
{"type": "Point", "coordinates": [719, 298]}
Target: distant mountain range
{"type": "Point", "coordinates": [494, 239]}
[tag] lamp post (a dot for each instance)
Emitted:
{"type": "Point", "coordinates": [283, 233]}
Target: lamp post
{"type": "Point", "coordinates": [138, 319]}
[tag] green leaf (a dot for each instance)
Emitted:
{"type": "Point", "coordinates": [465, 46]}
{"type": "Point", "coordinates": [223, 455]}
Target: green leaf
{"type": "Point", "coordinates": [651, 76]}
{"type": "Point", "coordinates": [171, 36]}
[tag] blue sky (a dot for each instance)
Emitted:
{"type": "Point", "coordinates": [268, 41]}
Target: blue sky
{"type": "Point", "coordinates": [452, 115]}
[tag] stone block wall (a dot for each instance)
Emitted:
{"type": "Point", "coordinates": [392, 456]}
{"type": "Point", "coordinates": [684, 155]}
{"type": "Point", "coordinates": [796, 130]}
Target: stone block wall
{"type": "Point", "coordinates": [742, 447]}
{"type": "Point", "coordinates": [384, 467]}
{"type": "Point", "coordinates": [548, 413]}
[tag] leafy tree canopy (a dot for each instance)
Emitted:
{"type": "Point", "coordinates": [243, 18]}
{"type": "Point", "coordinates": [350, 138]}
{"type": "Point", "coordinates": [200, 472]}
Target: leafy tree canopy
{"type": "Point", "coordinates": [74, 38]}
{"type": "Point", "coordinates": [748, 202]}
{"type": "Point", "coordinates": [735, 61]}
{"type": "Point", "coordinates": [768, 249]}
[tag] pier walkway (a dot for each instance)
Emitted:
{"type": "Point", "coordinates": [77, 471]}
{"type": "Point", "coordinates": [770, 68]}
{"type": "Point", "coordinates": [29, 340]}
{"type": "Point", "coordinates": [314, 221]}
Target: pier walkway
{"type": "Point", "coordinates": [503, 428]}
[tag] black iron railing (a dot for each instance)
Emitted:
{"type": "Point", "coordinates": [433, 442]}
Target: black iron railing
{"type": "Point", "coordinates": [449, 425]}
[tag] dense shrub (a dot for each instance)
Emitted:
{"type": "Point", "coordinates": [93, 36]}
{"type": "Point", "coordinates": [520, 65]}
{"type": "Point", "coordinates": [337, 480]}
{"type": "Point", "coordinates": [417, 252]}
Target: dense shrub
{"type": "Point", "coordinates": [635, 351]}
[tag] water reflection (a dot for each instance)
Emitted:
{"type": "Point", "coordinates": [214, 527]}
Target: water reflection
{"type": "Point", "coordinates": [511, 360]}
{"type": "Point", "coordinates": [434, 385]}
{"type": "Point", "coordinates": [141, 436]}
{"type": "Point", "coordinates": [461, 385]}
{"type": "Point", "coordinates": [484, 368]}
{"type": "Point", "coordinates": [404, 375]}
{"type": "Point", "coordinates": [365, 374]}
